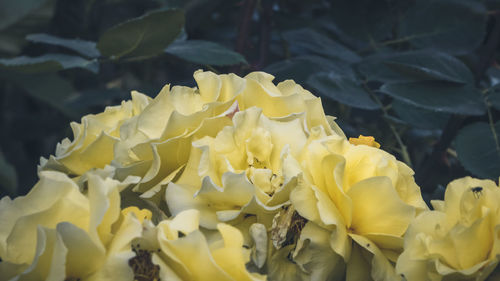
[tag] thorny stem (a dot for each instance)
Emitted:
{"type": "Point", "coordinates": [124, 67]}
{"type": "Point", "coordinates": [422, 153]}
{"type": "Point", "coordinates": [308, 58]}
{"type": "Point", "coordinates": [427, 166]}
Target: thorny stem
{"type": "Point", "coordinates": [404, 150]}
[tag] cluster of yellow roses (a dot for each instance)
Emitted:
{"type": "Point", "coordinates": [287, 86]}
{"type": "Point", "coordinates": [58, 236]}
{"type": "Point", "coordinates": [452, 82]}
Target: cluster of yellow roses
{"type": "Point", "coordinates": [239, 179]}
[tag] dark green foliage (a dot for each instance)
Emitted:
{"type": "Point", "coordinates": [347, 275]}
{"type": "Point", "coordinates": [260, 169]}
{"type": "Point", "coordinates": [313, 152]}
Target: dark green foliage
{"type": "Point", "coordinates": [48, 63]}
{"type": "Point", "coordinates": [85, 48]}
{"type": "Point", "coordinates": [13, 11]}
{"type": "Point", "coordinates": [477, 148]}
{"type": "Point", "coordinates": [420, 76]}
{"type": "Point", "coordinates": [142, 37]}
{"type": "Point", "coordinates": [453, 26]}
{"type": "Point", "coordinates": [204, 53]}
{"type": "Point", "coordinates": [342, 89]}
{"type": "Point", "coordinates": [438, 96]}
{"type": "Point", "coordinates": [307, 40]}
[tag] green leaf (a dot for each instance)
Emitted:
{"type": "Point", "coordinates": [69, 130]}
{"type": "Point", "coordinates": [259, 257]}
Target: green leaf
{"type": "Point", "coordinates": [204, 53]}
{"type": "Point", "coordinates": [453, 26]}
{"type": "Point", "coordinates": [430, 65]}
{"type": "Point", "coordinates": [300, 68]}
{"type": "Point", "coordinates": [85, 48]}
{"type": "Point", "coordinates": [48, 88]}
{"type": "Point", "coordinates": [373, 68]}
{"type": "Point", "coordinates": [342, 89]}
{"type": "Point", "coordinates": [306, 40]}
{"type": "Point", "coordinates": [12, 11]}
{"type": "Point", "coordinates": [420, 117]}
{"type": "Point", "coordinates": [48, 63]}
{"type": "Point", "coordinates": [142, 37]}
{"type": "Point", "coordinates": [415, 66]}
{"type": "Point", "coordinates": [8, 177]}
{"type": "Point", "coordinates": [478, 149]}
{"type": "Point", "coordinates": [438, 96]}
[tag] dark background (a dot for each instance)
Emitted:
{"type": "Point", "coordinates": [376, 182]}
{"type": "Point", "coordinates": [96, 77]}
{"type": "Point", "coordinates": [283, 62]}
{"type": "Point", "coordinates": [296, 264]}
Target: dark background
{"type": "Point", "coordinates": [420, 76]}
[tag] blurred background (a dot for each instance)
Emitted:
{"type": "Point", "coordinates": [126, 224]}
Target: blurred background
{"type": "Point", "coordinates": [420, 76]}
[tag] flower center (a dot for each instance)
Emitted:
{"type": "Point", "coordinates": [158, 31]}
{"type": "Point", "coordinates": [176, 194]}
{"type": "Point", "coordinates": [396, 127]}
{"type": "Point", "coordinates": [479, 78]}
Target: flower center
{"type": "Point", "coordinates": [143, 266]}
{"type": "Point", "coordinates": [286, 228]}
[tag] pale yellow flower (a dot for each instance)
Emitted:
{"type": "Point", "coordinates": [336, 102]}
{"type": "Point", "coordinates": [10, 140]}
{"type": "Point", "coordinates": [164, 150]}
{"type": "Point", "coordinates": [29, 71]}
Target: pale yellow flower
{"type": "Point", "coordinates": [177, 250]}
{"type": "Point", "coordinates": [240, 171]}
{"type": "Point", "coordinates": [93, 139]}
{"type": "Point", "coordinates": [459, 239]}
{"type": "Point", "coordinates": [364, 196]}
{"type": "Point", "coordinates": [176, 117]}
{"type": "Point", "coordinates": [56, 232]}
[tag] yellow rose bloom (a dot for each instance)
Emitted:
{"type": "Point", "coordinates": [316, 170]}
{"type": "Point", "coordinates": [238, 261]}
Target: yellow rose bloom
{"type": "Point", "coordinates": [56, 232]}
{"type": "Point", "coordinates": [459, 239]}
{"type": "Point", "coordinates": [176, 249]}
{"type": "Point", "coordinates": [93, 139]}
{"type": "Point", "coordinates": [364, 196]}
{"type": "Point", "coordinates": [240, 171]}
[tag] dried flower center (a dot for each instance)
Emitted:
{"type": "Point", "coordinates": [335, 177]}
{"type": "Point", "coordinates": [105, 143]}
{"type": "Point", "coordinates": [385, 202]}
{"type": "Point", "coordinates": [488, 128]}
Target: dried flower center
{"type": "Point", "coordinates": [286, 228]}
{"type": "Point", "coordinates": [143, 266]}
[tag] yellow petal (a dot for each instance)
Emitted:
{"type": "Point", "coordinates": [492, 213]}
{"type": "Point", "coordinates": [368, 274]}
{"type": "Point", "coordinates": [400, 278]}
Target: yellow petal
{"type": "Point", "coordinates": [186, 221]}
{"type": "Point", "coordinates": [193, 253]}
{"type": "Point", "coordinates": [209, 85]}
{"type": "Point", "coordinates": [377, 208]}
{"type": "Point", "coordinates": [83, 255]}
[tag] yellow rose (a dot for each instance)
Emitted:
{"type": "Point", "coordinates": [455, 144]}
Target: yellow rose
{"type": "Point", "coordinates": [364, 196]}
{"type": "Point", "coordinates": [93, 139]}
{"type": "Point", "coordinates": [240, 171]}
{"type": "Point", "coordinates": [459, 239]}
{"type": "Point", "coordinates": [56, 232]}
{"type": "Point", "coordinates": [177, 250]}
{"type": "Point", "coordinates": [171, 122]}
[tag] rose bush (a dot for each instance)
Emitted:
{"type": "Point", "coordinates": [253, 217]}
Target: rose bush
{"type": "Point", "coordinates": [259, 183]}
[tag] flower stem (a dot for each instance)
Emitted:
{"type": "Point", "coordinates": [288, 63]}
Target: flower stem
{"type": "Point", "coordinates": [404, 150]}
